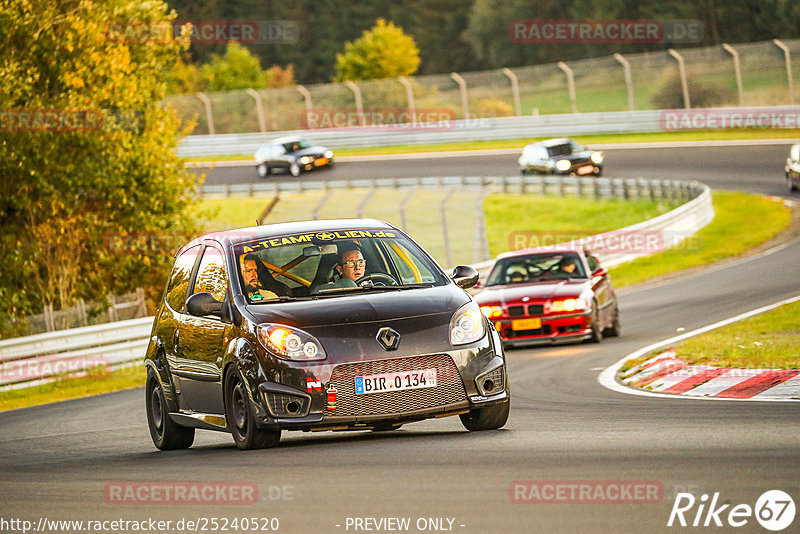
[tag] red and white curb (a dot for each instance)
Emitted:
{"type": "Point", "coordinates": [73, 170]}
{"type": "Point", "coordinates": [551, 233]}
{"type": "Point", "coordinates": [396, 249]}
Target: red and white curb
{"type": "Point", "coordinates": [664, 373]}
{"type": "Point", "coordinates": [666, 376]}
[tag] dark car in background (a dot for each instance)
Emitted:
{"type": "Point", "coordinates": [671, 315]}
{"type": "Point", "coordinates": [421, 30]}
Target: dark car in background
{"type": "Point", "coordinates": [255, 334]}
{"type": "Point", "coordinates": [792, 168]}
{"type": "Point", "coordinates": [549, 295]}
{"type": "Point", "coordinates": [291, 154]}
{"type": "Point", "coordinates": [560, 156]}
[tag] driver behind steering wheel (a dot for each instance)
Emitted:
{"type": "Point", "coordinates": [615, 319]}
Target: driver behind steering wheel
{"type": "Point", "coordinates": [350, 266]}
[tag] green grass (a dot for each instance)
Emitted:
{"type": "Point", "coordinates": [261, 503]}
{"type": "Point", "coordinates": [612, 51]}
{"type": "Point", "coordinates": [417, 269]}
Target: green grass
{"type": "Point", "coordinates": [515, 221]}
{"type": "Point", "coordinates": [770, 340]}
{"type": "Point", "coordinates": [95, 383]}
{"type": "Point", "coordinates": [658, 137]}
{"type": "Point", "coordinates": [742, 221]}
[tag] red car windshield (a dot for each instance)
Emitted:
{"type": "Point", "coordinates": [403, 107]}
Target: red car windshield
{"type": "Point", "coordinates": [536, 267]}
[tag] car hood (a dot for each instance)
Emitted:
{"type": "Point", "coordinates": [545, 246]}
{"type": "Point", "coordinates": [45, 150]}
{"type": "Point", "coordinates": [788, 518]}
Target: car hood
{"type": "Point", "coordinates": [347, 326]}
{"type": "Point", "coordinates": [356, 309]}
{"type": "Point", "coordinates": [534, 290]}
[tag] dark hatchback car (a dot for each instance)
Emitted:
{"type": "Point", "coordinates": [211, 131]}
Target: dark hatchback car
{"type": "Point", "coordinates": [560, 156]}
{"type": "Point", "coordinates": [291, 154]}
{"type": "Point", "coordinates": [256, 334]}
{"type": "Point", "coordinates": [548, 296]}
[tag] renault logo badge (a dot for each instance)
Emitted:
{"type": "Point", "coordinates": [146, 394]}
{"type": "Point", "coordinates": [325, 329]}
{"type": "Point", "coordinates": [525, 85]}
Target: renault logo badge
{"type": "Point", "coordinates": [388, 337]}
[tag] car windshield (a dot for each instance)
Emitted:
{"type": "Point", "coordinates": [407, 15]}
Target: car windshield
{"type": "Point", "coordinates": [332, 263]}
{"type": "Point", "coordinates": [299, 144]}
{"type": "Point", "coordinates": [536, 268]}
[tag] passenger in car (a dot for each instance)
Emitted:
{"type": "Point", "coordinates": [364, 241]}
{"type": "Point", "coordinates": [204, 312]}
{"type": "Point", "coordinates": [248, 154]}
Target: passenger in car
{"type": "Point", "coordinates": [252, 285]}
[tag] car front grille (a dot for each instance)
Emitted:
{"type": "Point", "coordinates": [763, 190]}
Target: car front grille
{"type": "Point", "coordinates": [519, 311]}
{"type": "Point", "coordinates": [545, 330]}
{"type": "Point", "coordinates": [516, 311]}
{"type": "Point", "coordinates": [449, 388]}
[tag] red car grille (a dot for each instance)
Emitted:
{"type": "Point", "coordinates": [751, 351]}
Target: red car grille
{"type": "Point", "coordinates": [520, 311]}
{"type": "Point", "coordinates": [449, 388]}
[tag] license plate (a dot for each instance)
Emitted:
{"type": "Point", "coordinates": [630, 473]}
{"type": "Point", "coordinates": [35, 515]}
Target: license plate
{"type": "Point", "coordinates": [585, 170]}
{"type": "Point", "coordinates": [321, 161]}
{"type": "Point", "coordinates": [425, 378]}
{"type": "Point", "coordinates": [526, 324]}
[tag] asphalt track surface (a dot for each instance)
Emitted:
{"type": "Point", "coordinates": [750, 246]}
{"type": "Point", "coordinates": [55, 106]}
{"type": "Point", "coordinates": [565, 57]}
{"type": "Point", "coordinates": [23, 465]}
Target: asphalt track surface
{"type": "Point", "coordinates": [56, 461]}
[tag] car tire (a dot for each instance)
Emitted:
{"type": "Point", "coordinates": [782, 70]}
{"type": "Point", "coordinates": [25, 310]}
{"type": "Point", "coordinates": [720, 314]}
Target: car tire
{"type": "Point", "coordinates": [615, 330]}
{"type": "Point", "coordinates": [597, 332]}
{"type": "Point", "coordinates": [294, 169]}
{"type": "Point", "coordinates": [240, 415]}
{"type": "Point", "coordinates": [599, 172]}
{"type": "Point", "coordinates": [263, 170]}
{"type": "Point", "coordinates": [525, 172]}
{"type": "Point", "coordinates": [487, 418]}
{"type": "Point", "coordinates": [166, 434]}
{"type": "Point", "coordinates": [792, 185]}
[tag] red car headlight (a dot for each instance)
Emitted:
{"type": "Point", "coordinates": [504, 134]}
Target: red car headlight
{"type": "Point", "coordinates": [566, 305]}
{"type": "Point", "coordinates": [492, 311]}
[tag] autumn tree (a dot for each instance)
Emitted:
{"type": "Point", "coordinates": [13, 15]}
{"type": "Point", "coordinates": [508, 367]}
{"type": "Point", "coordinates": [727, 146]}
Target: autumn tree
{"type": "Point", "coordinates": [385, 51]}
{"type": "Point", "coordinates": [86, 152]}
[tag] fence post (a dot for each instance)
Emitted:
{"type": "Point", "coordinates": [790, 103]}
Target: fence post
{"type": "Point", "coordinates": [480, 250]}
{"type": "Point", "coordinates": [365, 201]}
{"type": "Point", "coordinates": [412, 107]}
{"type": "Point", "coordinates": [142, 303]}
{"type": "Point", "coordinates": [209, 116]}
{"type": "Point", "coordinates": [83, 319]}
{"type": "Point", "coordinates": [687, 104]}
{"type": "Point", "coordinates": [403, 205]}
{"type": "Point", "coordinates": [626, 69]}
{"type": "Point", "coordinates": [49, 319]}
{"type": "Point", "coordinates": [737, 70]}
{"type": "Point", "coordinates": [514, 90]}
{"type": "Point", "coordinates": [573, 99]}
{"type": "Point", "coordinates": [462, 86]}
{"type": "Point", "coordinates": [443, 208]}
{"type": "Point", "coordinates": [112, 311]}
{"type": "Point", "coordinates": [788, 60]}
{"type": "Point", "coordinates": [359, 103]}
{"type": "Point", "coordinates": [321, 204]}
{"type": "Point", "coordinates": [262, 121]}
{"type": "Point", "coordinates": [307, 97]}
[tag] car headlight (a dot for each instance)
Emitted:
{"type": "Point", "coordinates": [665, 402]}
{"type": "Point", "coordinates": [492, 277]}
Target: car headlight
{"type": "Point", "coordinates": [597, 157]}
{"type": "Point", "coordinates": [567, 305]}
{"type": "Point", "coordinates": [492, 311]}
{"type": "Point", "coordinates": [467, 325]}
{"type": "Point", "coordinates": [306, 160]}
{"type": "Point", "coordinates": [328, 154]}
{"type": "Point", "coordinates": [289, 343]}
{"type": "Point", "coordinates": [563, 164]}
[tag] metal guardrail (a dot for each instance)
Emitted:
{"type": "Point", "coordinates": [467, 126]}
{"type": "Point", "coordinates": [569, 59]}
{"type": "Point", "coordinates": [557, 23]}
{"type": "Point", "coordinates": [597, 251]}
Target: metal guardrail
{"type": "Point", "coordinates": [472, 130]}
{"type": "Point", "coordinates": [33, 359]}
{"type": "Point", "coordinates": [25, 361]}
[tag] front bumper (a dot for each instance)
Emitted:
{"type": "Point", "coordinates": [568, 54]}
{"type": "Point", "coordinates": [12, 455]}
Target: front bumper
{"type": "Point", "coordinates": [554, 329]}
{"type": "Point", "coordinates": [466, 379]}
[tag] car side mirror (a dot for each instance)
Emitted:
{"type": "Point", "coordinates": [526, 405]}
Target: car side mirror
{"type": "Point", "coordinates": [599, 272]}
{"type": "Point", "coordinates": [465, 276]}
{"type": "Point", "coordinates": [202, 304]}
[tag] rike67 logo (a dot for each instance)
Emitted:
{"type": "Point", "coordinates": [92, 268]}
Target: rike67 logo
{"type": "Point", "coordinates": [774, 510]}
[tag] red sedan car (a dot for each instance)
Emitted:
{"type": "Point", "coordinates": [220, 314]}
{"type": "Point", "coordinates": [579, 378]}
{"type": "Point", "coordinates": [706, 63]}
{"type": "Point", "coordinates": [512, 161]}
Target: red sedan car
{"type": "Point", "coordinates": [549, 295]}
